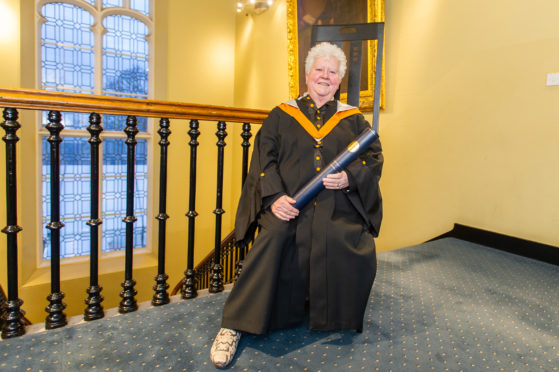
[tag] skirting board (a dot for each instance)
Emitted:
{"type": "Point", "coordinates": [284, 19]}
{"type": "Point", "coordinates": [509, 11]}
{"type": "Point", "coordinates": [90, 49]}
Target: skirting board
{"type": "Point", "coordinates": [522, 247]}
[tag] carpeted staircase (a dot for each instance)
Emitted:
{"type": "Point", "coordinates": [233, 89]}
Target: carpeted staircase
{"type": "Point", "coordinates": [446, 305]}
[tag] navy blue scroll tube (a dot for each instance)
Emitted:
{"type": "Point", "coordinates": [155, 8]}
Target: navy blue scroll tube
{"type": "Point", "coordinates": [353, 150]}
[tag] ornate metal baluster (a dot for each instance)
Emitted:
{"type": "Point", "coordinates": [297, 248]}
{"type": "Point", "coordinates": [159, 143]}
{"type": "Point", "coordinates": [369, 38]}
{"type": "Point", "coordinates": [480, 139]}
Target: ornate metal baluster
{"type": "Point", "coordinates": [237, 258]}
{"type": "Point", "coordinates": [246, 134]}
{"type": "Point", "coordinates": [188, 289]}
{"type": "Point", "coordinates": [94, 310]}
{"type": "Point", "coordinates": [216, 281]}
{"type": "Point", "coordinates": [229, 255]}
{"type": "Point", "coordinates": [12, 325]}
{"type": "Point", "coordinates": [204, 275]}
{"type": "Point", "coordinates": [161, 297]}
{"type": "Point", "coordinates": [225, 263]}
{"type": "Point", "coordinates": [246, 145]}
{"type": "Point", "coordinates": [56, 317]}
{"type": "Point", "coordinates": [128, 302]}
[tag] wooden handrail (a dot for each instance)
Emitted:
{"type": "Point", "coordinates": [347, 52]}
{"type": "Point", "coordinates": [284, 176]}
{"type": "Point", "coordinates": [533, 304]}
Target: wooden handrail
{"type": "Point", "coordinates": [35, 99]}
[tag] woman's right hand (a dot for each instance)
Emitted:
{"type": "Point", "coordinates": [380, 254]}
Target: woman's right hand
{"type": "Point", "coordinates": [283, 209]}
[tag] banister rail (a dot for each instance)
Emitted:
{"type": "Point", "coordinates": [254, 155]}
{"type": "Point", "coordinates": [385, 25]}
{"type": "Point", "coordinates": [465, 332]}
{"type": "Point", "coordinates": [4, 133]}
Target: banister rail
{"type": "Point", "coordinates": [225, 253]}
{"type": "Point", "coordinates": [77, 102]}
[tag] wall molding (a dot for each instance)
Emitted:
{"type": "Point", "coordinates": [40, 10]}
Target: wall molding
{"type": "Point", "coordinates": [522, 247]}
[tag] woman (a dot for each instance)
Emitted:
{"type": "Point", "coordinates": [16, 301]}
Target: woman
{"type": "Point", "coordinates": [319, 260]}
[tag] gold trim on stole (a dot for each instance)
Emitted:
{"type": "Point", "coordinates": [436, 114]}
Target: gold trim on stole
{"type": "Point", "coordinates": [309, 127]}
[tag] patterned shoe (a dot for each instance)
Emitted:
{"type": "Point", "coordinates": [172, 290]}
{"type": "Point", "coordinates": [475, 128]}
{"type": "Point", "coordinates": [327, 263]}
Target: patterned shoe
{"type": "Point", "coordinates": [224, 347]}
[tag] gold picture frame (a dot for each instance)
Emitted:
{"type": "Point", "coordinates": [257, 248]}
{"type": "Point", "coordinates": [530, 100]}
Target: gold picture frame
{"type": "Point", "coordinates": [375, 13]}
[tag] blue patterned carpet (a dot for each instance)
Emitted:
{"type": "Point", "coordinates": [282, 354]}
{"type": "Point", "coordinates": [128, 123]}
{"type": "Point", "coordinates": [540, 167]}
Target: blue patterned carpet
{"type": "Point", "coordinates": [446, 305]}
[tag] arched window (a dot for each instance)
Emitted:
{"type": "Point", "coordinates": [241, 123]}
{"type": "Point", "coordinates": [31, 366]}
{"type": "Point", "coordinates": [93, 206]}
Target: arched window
{"type": "Point", "coordinates": [95, 47]}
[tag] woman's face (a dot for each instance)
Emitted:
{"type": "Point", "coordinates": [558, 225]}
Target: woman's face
{"type": "Point", "coordinates": [323, 79]}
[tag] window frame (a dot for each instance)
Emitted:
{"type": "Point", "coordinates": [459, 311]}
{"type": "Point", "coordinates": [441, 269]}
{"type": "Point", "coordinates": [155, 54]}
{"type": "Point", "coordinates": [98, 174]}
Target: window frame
{"type": "Point", "coordinates": [99, 15]}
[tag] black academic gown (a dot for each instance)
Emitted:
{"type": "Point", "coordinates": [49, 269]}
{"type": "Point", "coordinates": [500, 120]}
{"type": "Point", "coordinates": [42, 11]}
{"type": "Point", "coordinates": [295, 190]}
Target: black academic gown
{"type": "Point", "coordinates": [324, 260]}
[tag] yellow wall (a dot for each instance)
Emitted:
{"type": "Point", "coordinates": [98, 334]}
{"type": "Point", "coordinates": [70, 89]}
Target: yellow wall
{"type": "Point", "coordinates": [10, 42]}
{"type": "Point", "coordinates": [201, 69]}
{"type": "Point", "coordinates": [9, 76]}
{"type": "Point", "coordinates": [469, 130]}
{"type": "Point", "coordinates": [261, 59]}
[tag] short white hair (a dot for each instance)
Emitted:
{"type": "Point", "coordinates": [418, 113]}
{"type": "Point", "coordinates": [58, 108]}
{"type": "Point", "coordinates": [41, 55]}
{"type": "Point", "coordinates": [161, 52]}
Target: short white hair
{"type": "Point", "coordinates": [326, 50]}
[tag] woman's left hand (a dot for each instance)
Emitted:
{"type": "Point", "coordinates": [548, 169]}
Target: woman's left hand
{"type": "Point", "coordinates": [336, 181]}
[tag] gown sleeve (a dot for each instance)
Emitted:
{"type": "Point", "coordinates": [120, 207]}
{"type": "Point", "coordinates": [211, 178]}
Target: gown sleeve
{"type": "Point", "coordinates": [263, 180]}
{"type": "Point", "coordinates": [364, 174]}
{"type": "Point", "coordinates": [270, 179]}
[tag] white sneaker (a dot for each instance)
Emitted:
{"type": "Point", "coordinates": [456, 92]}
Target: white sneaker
{"type": "Point", "coordinates": [224, 347]}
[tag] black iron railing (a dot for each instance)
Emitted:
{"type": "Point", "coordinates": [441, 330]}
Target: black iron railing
{"type": "Point", "coordinates": [213, 271]}
{"type": "Point", "coordinates": [230, 258]}
{"type": "Point", "coordinates": [94, 309]}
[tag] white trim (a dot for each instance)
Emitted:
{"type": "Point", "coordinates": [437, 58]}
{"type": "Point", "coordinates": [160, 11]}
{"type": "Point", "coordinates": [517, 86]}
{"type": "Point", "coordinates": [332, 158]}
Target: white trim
{"type": "Point", "coordinates": [344, 107]}
{"type": "Point", "coordinates": [292, 102]}
{"type": "Point", "coordinates": [66, 45]}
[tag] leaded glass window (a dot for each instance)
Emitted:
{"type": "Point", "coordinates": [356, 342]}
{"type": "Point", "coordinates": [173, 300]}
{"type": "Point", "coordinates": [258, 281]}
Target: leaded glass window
{"type": "Point", "coordinates": [111, 3]}
{"type": "Point", "coordinates": [68, 55]}
{"type": "Point", "coordinates": [125, 57]}
{"type": "Point", "coordinates": [141, 6]}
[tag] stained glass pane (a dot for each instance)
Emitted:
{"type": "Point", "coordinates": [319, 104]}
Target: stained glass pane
{"type": "Point", "coordinates": [117, 123]}
{"type": "Point", "coordinates": [125, 57]}
{"type": "Point", "coordinates": [92, 2]}
{"type": "Point", "coordinates": [141, 6]}
{"type": "Point", "coordinates": [67, 49]}
{"type": "Point", "coordinates": [71, 120]}
{"type": "Point", "coordinates": [114, 194]}
{"type": "Point", "coordinates": [74, 196]}
{"type": "Point", "coordinates": [67, 69]}
{"type": "Point", "coordinates": [125, 76]}
{"type": "Point", "coordinates": [111, 3]}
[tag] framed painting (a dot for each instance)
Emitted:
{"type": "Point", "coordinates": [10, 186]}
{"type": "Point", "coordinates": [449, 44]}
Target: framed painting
{"type": "Point", "coordinates": [303, 14]}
